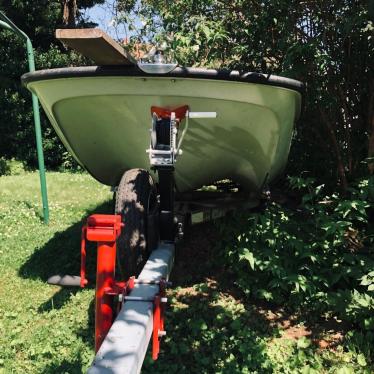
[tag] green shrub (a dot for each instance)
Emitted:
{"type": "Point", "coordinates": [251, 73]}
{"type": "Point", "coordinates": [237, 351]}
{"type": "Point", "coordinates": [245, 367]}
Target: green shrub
{"type": "Point", "coordinates": [4, 167]}
{"type": "Point", "coordinates": [317, 256]}
{"type": "Point", "coordinates": [11, 167]}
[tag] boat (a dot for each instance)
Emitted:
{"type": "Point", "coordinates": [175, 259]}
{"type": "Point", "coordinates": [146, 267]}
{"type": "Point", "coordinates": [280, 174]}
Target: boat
{"type": "Point", "coordinates": [102, 114]}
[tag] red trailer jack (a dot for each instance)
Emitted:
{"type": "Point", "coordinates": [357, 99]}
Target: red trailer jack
{"type": "Point", "coordinates": [105, 229]}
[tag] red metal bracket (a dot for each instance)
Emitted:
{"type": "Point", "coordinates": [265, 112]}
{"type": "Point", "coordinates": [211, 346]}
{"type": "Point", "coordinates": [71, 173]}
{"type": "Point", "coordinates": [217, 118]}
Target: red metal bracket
{"type": "Point", "coordinates": [180, 113]}
{"type": "Point", "coordinates": [158, 319]}
{"type": "Point", "coordinates": [103, 229]}
{"type": "Point", "coordinates": [99, 228]}
{"type": "Point", "coordinates": [124, 288]}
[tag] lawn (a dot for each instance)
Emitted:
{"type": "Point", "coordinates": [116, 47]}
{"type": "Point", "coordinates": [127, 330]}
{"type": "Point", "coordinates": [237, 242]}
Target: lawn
{"type": "Point", "coordinates": [211, 327]}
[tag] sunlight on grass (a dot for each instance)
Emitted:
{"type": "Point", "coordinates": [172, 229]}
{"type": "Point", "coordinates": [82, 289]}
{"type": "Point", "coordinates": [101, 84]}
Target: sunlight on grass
{"type": "Point", "coordinates": [44, 328]}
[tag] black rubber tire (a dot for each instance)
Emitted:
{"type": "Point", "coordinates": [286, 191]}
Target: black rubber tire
{"type": "Point", "coordinates": [136, 202]}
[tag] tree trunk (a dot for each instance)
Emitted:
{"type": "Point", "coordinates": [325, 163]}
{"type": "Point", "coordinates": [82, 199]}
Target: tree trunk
{"type": "Point", "coordinates": [339, 159]}
{"type": "Point", "coordinates": [371, 133]}
{"type": "Point", "coordinates": [69, 13]}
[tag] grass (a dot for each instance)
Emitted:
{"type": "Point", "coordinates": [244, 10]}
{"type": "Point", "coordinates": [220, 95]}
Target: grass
{"type": "Point", "coordinates": [211, 328]}
{"type": "Point", "coordinates": [45, 329]}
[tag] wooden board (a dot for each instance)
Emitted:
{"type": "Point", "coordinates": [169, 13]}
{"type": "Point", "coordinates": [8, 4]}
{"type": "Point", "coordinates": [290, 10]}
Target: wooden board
{"type": "Point", "coordinates": [95, 44]}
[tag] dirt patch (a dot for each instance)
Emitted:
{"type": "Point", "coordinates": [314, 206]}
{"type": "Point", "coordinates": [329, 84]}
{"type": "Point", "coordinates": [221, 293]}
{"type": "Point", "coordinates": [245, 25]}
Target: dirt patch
{"type": "Point", "coordinates": [325, 333]}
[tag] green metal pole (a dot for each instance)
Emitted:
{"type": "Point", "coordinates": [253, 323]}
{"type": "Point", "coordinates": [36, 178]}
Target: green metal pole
{"type": "Point", "coordinates": [38, 135]}
{"type": "Point", "coordinates": [5, 26]}
{"type": "Point", "coordinates": [8, 24]}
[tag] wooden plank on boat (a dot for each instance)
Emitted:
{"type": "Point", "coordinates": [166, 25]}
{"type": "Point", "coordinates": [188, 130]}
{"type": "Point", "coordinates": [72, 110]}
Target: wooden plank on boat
{"type": "Point", "coordinates": [95, 44]}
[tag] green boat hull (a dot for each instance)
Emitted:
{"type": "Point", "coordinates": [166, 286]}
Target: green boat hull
{"type": "Point", "coordinates": [105, 120]}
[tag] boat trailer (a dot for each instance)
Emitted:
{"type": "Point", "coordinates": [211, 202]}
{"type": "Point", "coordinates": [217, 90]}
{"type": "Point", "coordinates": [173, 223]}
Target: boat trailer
{"type": "Point", "coordinates": [128, 313]}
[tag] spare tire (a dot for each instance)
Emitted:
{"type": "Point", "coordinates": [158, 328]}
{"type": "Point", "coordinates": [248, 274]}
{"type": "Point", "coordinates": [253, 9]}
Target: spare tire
{"type": "Point", "coordinates": [136, 202]}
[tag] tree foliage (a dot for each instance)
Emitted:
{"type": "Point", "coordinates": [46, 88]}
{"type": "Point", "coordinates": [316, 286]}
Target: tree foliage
{"type": "Point", "coordinates": [38, 20]}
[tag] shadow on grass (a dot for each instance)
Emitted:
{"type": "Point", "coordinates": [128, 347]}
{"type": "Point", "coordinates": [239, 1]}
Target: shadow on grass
{"type": "Point", "coordinates": [195, 255]}
{"type": "Point", "coordinates": [71, 367]}
{"type": "Point", "coordinates": [61, 255]}
{"type": "Point", "coordinates": [209, 327]}
{"type": "Point", "coordinates": [37, 211]}
{"type": "Point", "coordinates": [206, 337]}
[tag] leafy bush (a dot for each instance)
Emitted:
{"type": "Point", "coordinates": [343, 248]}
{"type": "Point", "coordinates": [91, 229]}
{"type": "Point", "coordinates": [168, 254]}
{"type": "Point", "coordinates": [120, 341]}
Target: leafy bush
{"type": "Point", "coordinates": [11, 167]}
{"type": "Point", "coordinates": [4, 167]}
{"type": "Point", "coordinates": [317, 256]}
{"type": "Point", "coordinates": [38, 20]}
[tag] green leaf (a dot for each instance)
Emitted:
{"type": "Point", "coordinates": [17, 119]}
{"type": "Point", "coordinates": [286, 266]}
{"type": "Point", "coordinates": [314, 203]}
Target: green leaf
{"type": "Point", "coordinates": [303, 343]}
{"type": "Point", "coordinates": [361, 360]}
{"type": "Point", "coordinates": [236, 325]}
{"type": "Point", "coordinates": [365, 281]}
{"type": "Point", "coordinates": [206, 31]}
{"type": "Point", "coordinates": [369, 323]}
{"type": "Point", "coordinates": [248, 256]}
{"type": "Point", "coordinates": [309, 370]}
{"type": "Point", "coordinates": [345, 370]}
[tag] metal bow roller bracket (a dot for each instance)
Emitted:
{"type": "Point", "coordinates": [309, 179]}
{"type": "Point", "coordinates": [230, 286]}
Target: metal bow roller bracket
{"type": "Point", "coordinates": [164, 149]}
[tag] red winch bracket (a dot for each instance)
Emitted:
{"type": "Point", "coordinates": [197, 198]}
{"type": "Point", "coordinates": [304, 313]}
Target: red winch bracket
{"type": "Point", "coordinates": [180, 113]}
{"type": "Point", "coordinates": [105, 229]}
